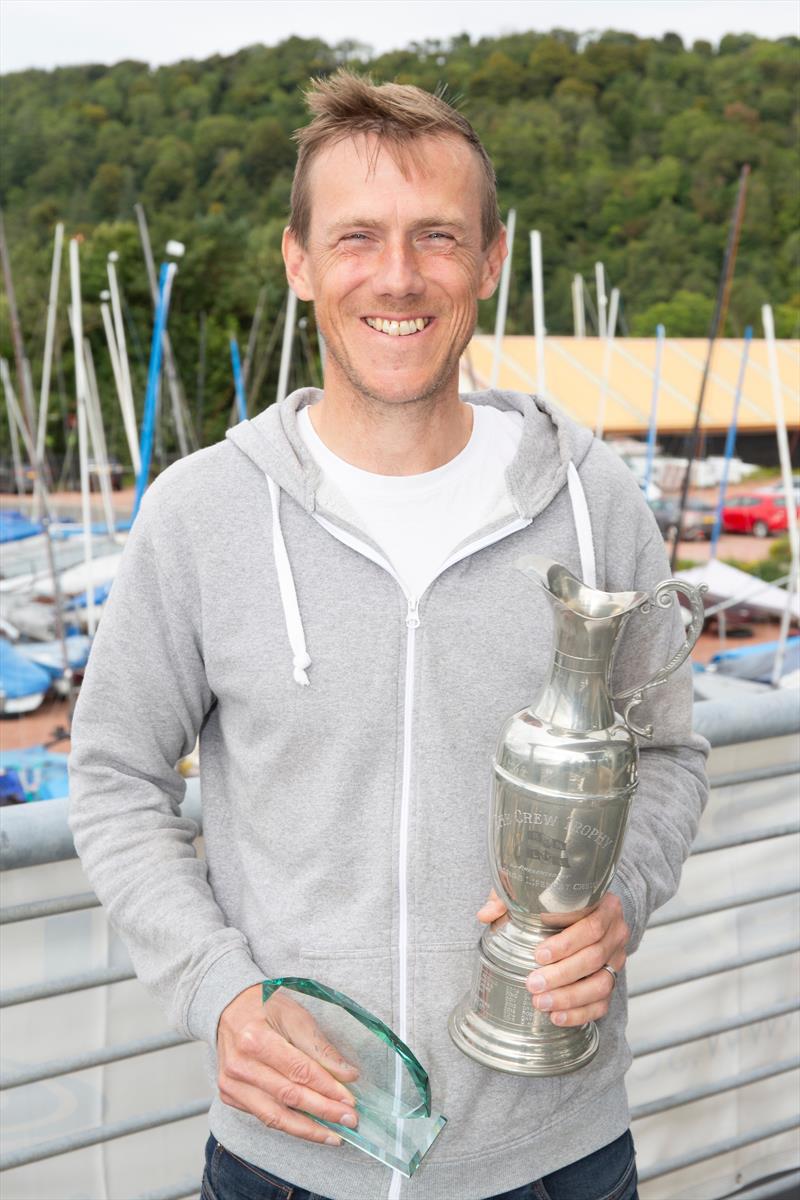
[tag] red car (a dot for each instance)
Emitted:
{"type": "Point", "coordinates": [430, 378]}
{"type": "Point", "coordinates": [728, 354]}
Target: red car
{"type": "Point", "coordinates": [760, 514]}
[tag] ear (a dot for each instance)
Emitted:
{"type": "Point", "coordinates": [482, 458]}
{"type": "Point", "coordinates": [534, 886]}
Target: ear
{"type": "Point", "coordinates": [297, 266]}
{"type": "Point", "coordinates": [493, 259]}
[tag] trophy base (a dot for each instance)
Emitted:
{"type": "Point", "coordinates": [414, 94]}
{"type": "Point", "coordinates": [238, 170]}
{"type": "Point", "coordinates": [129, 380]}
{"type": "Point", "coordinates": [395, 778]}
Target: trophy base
{"type": "Point", "coordinates": [401, 1142]}
{"type": "Point", "coordinates": [496, 1024]}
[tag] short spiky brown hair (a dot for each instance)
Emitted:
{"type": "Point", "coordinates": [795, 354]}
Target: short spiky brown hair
{"type": "Point", "coordinates": [345, 104]}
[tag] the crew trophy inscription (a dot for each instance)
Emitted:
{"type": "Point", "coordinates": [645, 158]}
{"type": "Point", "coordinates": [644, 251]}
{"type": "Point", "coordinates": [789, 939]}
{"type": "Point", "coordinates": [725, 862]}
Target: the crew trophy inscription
{"type": "Point", "coordinates": [565, 773]}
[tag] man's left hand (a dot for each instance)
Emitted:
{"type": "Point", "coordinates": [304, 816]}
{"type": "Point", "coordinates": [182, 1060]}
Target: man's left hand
{"type": "Point", "coordinates": [569, 981]}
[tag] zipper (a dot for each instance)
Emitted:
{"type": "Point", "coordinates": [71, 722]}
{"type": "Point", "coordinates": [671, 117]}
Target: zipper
{"type": "Point", "coordinates": [412, 620]}
{"type": "Point", "coordinates": [412, 625]}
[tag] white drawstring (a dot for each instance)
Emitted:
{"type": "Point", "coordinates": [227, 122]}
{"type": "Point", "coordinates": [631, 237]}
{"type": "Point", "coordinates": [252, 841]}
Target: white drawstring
{"type": "Point", "coordinates": [291, 611]}
{"type": "Point", "coordinates": [583, 526]}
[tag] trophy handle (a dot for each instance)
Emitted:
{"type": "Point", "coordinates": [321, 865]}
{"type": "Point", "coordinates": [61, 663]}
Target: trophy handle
{"type": "Point", "coordinates": [662, 596]}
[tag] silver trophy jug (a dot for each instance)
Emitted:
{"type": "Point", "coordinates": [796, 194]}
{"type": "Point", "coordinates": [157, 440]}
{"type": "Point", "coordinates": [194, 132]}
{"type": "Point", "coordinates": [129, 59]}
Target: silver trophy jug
{"type": "Point", "coordinates": [565, 774]}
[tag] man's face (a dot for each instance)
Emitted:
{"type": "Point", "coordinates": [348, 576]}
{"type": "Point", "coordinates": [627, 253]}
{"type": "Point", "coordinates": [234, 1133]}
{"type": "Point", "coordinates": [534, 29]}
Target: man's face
{"type": "Point", "coordinates": [395, 265]}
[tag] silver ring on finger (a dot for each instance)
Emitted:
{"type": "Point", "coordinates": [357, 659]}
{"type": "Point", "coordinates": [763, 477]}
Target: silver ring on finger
{"type": "Point", "coordinates": [608, 967]}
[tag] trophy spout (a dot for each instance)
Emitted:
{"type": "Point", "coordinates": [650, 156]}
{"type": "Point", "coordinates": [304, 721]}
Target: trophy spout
{"type": "Point", "coordinates": [588, 623]}
{"type": "Point", "coordinates": [566, 591]}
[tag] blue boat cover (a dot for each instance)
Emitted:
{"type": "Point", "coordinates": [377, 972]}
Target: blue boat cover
{"type": "Point", "coordinates": [18, 677]}
{"type": "Point", "coordinates": [101, 593]}
{"type": "Point", "coordinates": [98, 528]}
{"type": "Point", "coordinates": [11, 789]}
{"type": "Point", "coordinates": [755, 662]}
{"type": "Point", "coordinates": [50, 655]}
{"type": "Point", "coordinates": [14, 526]}
{"type": "Point", "coordinates": [41, 774]}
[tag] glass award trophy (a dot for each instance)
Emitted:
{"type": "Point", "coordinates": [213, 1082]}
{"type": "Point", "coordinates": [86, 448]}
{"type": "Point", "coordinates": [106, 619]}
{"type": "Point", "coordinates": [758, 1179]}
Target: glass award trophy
{"type": "Point", "coordinates": [392, 1092]}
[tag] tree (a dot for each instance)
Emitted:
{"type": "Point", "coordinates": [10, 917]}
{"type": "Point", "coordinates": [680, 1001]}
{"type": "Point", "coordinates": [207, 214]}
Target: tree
{"type": "Point", "coordinates": [266, 151]}
{"type": "Point", "coordinates": [617, 148]}
{"type": "Point", "coordinates": [687, 314]}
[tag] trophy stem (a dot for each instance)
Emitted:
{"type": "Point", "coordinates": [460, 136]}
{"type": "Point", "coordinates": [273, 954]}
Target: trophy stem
{"type": "Point", "coordinates": [496, 1023]}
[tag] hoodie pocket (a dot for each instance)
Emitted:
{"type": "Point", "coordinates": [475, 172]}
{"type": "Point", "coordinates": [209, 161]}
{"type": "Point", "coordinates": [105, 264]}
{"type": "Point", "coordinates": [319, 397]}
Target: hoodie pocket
{"type": "Point", "coordinates": [365, 975]}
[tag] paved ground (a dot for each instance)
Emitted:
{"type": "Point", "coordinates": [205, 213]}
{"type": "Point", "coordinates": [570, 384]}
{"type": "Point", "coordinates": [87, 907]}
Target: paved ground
{"type": "Point", "coordinates": [36, 728]}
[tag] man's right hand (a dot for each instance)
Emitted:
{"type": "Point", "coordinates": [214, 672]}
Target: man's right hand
{"type": "Point", "coordinates": [274, 1059]}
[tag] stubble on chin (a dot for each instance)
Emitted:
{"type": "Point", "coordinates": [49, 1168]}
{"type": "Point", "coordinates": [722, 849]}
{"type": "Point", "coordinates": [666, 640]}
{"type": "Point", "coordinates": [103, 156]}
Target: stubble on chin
{"type": "Point", "coordinates": [437, 385]}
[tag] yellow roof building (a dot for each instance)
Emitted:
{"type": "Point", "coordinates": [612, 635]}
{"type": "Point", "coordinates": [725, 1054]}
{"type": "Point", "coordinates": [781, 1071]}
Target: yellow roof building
{"type": "Point", "coordinates": [612, 385]}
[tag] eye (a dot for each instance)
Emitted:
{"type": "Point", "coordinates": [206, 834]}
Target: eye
{"type": "Point", "coordinates": [436, 240]}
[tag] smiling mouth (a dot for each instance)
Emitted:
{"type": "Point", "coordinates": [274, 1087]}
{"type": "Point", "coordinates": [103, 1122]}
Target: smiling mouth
{"type": "Point", "coordinates": [398, 328]}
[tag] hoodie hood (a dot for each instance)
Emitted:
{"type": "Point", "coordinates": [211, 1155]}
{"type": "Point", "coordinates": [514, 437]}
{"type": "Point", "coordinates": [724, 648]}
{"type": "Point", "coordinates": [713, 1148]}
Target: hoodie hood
{"type": "Point", "coordinates": [550, 441]}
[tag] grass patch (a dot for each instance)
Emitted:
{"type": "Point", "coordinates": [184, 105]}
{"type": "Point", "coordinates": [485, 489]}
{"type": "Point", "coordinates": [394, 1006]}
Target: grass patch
{"type": "Point", "coordinates": [773, 567]}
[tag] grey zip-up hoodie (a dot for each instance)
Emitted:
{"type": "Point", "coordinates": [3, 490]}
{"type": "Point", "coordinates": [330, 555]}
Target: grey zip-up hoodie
{"type": "Point", "coordinates": [345, 822]}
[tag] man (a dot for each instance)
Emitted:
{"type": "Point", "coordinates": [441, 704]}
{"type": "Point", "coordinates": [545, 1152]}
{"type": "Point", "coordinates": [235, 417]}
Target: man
{"type": "Point", "coordinates": [329, 598]}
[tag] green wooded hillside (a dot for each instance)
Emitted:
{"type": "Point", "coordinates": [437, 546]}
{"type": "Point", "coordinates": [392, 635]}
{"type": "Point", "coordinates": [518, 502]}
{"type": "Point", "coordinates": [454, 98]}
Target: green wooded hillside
{"type": "Point", "coordinates": [622, 149]}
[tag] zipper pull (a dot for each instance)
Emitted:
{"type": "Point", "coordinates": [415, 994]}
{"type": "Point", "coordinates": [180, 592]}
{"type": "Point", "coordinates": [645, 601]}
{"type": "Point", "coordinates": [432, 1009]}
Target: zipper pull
{"type": "Point", "coordinates": [412, 616]}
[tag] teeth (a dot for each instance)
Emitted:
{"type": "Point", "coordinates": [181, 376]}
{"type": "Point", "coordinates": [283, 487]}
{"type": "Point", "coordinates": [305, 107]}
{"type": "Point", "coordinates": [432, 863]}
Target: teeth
{"type": "Point", "coordinates": [397, 328]}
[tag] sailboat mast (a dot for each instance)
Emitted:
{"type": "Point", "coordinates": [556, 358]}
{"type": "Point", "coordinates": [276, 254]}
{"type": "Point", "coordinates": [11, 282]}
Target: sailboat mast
{"type": "Point", "coordinates": [502, 299]}
{"type": "Point", "coordinates": [788, 488]}
{"type": "Point", "coordinates": [151, 399]}
{"type": "Point", "coordinates": [717, 323]}
{"type": "Point", "coordinates": [97, 438]}
{"type": "Point", "coordinates": [730, 442]}
{"type": "Point", "coordinates": [16, 457]}
{"type": "Point", "coordinates": [651, 432]}
{"type": "Point", "coordinates": [578, 307]}
{"type": "Point", "coordinates": [83, 455]}
{"type": "Point", "coordinates": [286, 347]}
{"type": "Point", "coordinates": [170, 368]}
{"type": "Point", "coordinates": [238, 381]}
{"type": "Point", "coordinates": [49, 337]}
{"type": "Point", "coordinates": [126, 390]}
{"type": "Point", "coordinates": [610, 328]}
{"type": "Point", "coordinates": [538, 309]}
{"type": "Point", "coordinates": [602, 299]}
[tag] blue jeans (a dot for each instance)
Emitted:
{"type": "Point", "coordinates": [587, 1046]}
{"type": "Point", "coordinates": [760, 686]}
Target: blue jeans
{"type": "Point", "coordinates": [608, 1174]}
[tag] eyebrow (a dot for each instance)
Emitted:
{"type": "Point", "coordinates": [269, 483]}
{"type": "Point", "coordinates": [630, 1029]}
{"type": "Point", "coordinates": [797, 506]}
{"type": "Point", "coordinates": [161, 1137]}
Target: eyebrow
{"type": "Point", "coordinates": [437, 222]}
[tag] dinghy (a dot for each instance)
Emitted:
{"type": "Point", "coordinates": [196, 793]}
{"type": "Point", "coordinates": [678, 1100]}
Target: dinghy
{"type": "Point", "coordinates": [23, 684]}
{"type": "Point", "coordinates": [33, 774]}
{"type": "Point", "coordinates": [50, 655]}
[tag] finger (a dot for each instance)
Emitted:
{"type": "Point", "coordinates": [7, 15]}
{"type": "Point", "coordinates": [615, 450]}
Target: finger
{"type": "Point", "coordinates": [289, 1094]}
{"type": "Point", "coordinates": [307, 1036]}
{"type": "Point", "coordinates": [596, 988]}
{"type": "Point", "coordinates": [492, 910]}
{"type": "Point", "coordinates": [589, 929]}
{"type": "Point", "coordinates": [578, 966]}
{"type": "Point", "coordinates": [301, 1069]}
{"type": "Point", "coordinates": [580, 1016]}
{"type": "Point", "coordinates": [274, 1116]}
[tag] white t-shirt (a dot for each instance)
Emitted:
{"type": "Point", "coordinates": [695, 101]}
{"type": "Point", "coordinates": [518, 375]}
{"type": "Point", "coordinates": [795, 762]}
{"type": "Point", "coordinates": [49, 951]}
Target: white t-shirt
{"type": "Point", "coordinates": [419, 520]}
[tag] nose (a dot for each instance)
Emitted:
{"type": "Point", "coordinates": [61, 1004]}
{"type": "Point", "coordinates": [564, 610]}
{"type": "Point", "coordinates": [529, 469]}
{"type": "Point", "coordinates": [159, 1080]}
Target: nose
{"type": "Point", "coordinates": [397, 270]}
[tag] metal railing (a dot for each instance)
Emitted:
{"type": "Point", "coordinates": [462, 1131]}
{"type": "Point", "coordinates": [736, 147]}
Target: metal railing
{"type": "Point", "coordinates": [37, 834]}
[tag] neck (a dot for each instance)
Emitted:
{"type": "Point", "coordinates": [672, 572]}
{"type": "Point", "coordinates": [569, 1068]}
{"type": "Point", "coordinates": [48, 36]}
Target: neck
{"type": "Point", "coordinates": [399, 438]}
